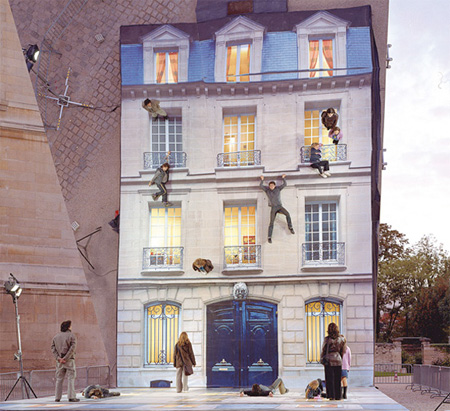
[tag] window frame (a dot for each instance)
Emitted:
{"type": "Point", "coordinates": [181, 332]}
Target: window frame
{"type": "Point", "coordinates": [167, 61]}
{"type": "Point", "coordinates": [238, 59]}
{"type": "Point", "coordinates": [320, 108]}
{"type": "Point", "coordinates": [166, 226]}
{"type": "Point", "coordinates": [239, 124]}
{"type": "Point", "coordinates": [320, 74]}
{"type": "Point", "coordinates": [167, 123]}
{"type": "Point", "coordinates": [240, 206]}
{"type": "Point", "coordinates": [165, 341]}
{"type": "Point", "coordinates": [322, 326]}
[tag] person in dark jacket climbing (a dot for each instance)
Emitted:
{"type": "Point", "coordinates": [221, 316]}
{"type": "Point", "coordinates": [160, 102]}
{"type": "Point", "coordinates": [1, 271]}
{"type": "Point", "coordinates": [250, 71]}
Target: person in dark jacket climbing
{"type": "Point", "coordinates": [273, 194]}
{"type": "Point", "coordinates": [161, 178]}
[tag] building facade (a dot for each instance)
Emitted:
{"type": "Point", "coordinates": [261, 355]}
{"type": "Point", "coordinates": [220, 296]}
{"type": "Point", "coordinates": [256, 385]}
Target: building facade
{"type": "Point", "coordinates": [244, 96]}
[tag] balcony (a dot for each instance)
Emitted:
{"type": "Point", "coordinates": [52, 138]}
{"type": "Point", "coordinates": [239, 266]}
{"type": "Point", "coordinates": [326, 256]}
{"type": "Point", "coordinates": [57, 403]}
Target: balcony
{"type": "Point", "coordinates": [155, 159]}
{"type": "Point", "coordinates": [239, 159]}
{"type": "Point", "coordinates": [323, 254]}
{"type": "Point", "coordinates": [242, 257]}
{"type": "Point", "coordinates": [330, 152]}
{"type": "Point", "coordinates": [163, 258]}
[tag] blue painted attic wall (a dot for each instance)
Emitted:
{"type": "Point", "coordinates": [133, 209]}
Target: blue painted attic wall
{"type": "Point", "coordinates": [279, 53]}
{"type": "Point", "coordinates": [359, 50]}
{"type": "Point", "coordinates": [202, 55]}
{"type": "Point", "coordinates": [132, 64]}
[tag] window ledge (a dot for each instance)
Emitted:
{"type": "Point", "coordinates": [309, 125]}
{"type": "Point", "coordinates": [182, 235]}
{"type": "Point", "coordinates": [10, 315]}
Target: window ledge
{"type": "Point", "coordinates": [240, 270]}
{"type": "Point", "coordinates": [324, 267]}
{"type": "Point", "coordinates": [162, 271]}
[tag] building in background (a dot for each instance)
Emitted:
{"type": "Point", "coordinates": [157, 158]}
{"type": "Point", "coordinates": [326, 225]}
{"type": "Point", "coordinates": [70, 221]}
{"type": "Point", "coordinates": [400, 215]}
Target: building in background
{"type": "Point", "coordinates": [244, 95]}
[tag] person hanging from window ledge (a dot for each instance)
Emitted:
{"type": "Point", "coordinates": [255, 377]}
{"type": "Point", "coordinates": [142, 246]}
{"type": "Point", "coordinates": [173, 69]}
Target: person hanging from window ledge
{"type": "Point", "coordinates": [153, 107]}
{"type": "Point", "coordinates": [260, 390]}
{"type": "Point", "coordinates": [161, 178]}
{"type": "Point", "coordinates": [273, 194]}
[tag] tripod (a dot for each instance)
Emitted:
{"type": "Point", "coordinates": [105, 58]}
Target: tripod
{"type": "Point", "coordinates": [18, 356]}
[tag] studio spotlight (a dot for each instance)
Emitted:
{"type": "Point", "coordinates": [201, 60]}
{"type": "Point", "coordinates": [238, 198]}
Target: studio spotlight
{"type": "Point", "coordinates": [31, 55]}
{"type": "Point", "coordinates": [12, 287]}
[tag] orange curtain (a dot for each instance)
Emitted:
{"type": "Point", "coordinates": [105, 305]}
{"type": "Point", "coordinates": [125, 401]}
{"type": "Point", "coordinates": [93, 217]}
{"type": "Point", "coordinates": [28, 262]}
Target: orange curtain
{"type": "Point", "coordinates": [173, 57]}
{"type": "Point", "coordinates": [313, 55]}
{"type": "Point", "coordinates": [327, 46]}
{"type": "Point", "coordinates": [160, 67]}
{"type": "Point", "coordinates": [229, 49]}
{"type": "Point", "coordinates": [245, 62]}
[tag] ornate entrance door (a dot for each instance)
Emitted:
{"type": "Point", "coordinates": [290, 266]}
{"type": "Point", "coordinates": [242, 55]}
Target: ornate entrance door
{"type": "Point", "coordinates": [241, 344]}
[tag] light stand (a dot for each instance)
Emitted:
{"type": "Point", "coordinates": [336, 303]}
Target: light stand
{"type": "Point", "coordinates": [13, 288]}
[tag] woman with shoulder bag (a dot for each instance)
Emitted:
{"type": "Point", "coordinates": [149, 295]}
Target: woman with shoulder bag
{"type": "Point", "coordinates": [333, 349]}
{"type": "Point", "coordinates": [184, 361]}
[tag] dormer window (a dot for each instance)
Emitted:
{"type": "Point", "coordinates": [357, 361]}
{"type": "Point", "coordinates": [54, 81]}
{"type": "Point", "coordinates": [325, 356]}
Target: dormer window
{"type": "Point", "coordinates": [166, 68]}
{"type": "Point", "coordinates": [238, 63]}
{"type": "Point", "coordinates": [166, 53]}
{"type": "Point", "coordinates": [322, 42]}
{"type": "Point", "coordinates": [321, 57]}
{"type": "Point", "coordinates": [239, 51]}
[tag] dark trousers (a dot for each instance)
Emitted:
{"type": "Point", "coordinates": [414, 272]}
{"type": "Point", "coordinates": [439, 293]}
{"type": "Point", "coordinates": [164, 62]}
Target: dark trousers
{"type": "Point", "coordinates": [273, 213]}
{"type": "Point", "coordinates": [162, 191]}
{"type": "Point", "coordinates": [333, 381]}
{"type": "Point", "coordinates": [324, 163]}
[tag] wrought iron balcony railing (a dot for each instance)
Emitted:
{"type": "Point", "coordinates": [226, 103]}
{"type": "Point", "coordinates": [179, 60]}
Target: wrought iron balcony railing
{"type": "Point", "coordinates": [177, 159]}
{"type": "Point", "coordinates": [239, 159]}
{"type": "Point", "coordinates": [162, 258]}
{"type": "Point", "coordinates": [242, 256]}
{"type": "Point", "coordinates": [325, 253]}
{"type": "Point", "coordinates": [330, 152]}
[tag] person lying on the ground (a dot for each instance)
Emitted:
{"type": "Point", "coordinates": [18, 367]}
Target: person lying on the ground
{"type": "Point", "coordinates": [260, 390]}
{"type": "Point", "coordinates": [96, 391]}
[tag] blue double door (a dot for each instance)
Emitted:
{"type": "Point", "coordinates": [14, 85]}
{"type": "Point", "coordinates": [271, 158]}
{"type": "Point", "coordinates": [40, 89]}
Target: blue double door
{"type": "Point", "coordinates": [242, 346]}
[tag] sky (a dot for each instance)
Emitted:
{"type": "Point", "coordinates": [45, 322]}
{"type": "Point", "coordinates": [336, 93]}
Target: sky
{"type": "Point", "coordinates": [415, 197]}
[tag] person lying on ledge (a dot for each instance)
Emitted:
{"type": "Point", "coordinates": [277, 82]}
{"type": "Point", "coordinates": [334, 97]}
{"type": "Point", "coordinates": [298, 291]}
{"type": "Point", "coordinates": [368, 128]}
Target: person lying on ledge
{"type": "Point", "coordinates": [260, 390]}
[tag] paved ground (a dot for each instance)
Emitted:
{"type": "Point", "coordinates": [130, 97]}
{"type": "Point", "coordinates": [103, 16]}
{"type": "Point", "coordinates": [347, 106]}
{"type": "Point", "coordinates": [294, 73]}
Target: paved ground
{"type": "Point", "coordinates": [359, 399]}
{"type": "Point", "coordinates": [413, 401]}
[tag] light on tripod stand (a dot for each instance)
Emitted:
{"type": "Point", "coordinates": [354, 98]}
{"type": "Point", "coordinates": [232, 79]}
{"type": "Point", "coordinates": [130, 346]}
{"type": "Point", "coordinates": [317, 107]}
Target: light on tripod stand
{"type": "Point", "coordinates": [31, 55]}
{"type": "Point", "coordinates": [12, 287]}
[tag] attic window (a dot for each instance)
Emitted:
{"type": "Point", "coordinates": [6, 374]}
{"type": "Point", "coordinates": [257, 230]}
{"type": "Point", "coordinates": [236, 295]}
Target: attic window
{"type": "Point", "coordinates": [240, 7]}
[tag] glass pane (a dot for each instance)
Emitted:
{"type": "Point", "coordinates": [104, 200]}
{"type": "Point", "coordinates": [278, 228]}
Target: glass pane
{"type": "Point", "coordinates": [173, 67]}
{"type": "Point", "coordinates": [244, 62]}
{"type": "Point", "coordinates": [231, 63]}
{"type": "Point", "coordinates": [160, 67]}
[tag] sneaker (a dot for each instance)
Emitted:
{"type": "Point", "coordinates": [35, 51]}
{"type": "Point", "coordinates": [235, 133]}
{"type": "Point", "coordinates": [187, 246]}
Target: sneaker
{"type": "Point", "coordinates": [168, 204]}
{"type": "Point", "coordinates": [74, 400]}
{"type": "Point", "coordinates": [291, 230]}
{"type": "Point", "coordinates": [323, 175]}
{"type": "Point", "coordinates": [317, 171]}
{"type": "Point", "coordinates": [287, 390]}
{"type": "Point", "coordinates": [56, 400]}
{"type": "Point", "coordinates": [269, 240]}
{"type": "Point", "coordinates": [327, 173]}
{"type": "Point", "coordinates": [155, 197]}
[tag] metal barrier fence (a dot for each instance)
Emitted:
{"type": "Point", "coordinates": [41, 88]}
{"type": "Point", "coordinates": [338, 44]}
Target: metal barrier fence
{"type": "Point", "coordinates": [43, 381]}
{"type": "Point", "coordinates": [393, 374]}
{"type": "Point", "coordinates": [431, 379]}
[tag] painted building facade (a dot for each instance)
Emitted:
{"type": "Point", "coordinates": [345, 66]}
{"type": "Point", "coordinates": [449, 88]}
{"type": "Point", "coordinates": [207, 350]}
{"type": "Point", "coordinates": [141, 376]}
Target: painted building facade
{"type": "Point", "coordinates": [244, 95]}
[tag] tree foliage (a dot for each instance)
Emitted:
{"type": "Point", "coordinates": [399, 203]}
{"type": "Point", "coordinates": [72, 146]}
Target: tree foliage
{"type": "Point", "coordinates": [413, 297]}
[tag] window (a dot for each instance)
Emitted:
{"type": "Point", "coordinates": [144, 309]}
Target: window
{"type": "Point", "coordinates": [318, 315]}
{"type": "Point", "coordinates": [240, 235]}
{"type": "Point", "coordinates": [165, 237]}
{"type": "Point", "coordinates": [321, 232]}
{"type": "Point", "coordinates": [238, 63]}
{"type": "Point", "coordinates": [166, 67]}
{"type": "Point", "coordinates": [321, 57]}
{"type": "Point", "coordinates": [162, 329]}
{"type": "Point", "coordinates": [315, 131]}
{"type": "Point", "coordinates": [239, 140]}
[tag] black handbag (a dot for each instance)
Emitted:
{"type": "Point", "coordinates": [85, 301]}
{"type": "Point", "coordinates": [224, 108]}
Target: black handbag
{"type": "Point", "coordinates": [325, 360]}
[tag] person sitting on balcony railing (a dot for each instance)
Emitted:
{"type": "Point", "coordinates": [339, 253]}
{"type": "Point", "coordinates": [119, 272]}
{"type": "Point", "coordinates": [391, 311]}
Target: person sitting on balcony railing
{"type": "Point", "coordinates": [335, 134]}
{"type": "Point", "coordinates": [153, 107]}
{"type": "Point", "coordinates": [322, 166]}
{"type": "Point", "coordinates": [161, 178]}
{"type": "Point", "coordinates": [329, 118]}
{"type": "Point", "coordinates": [273, 194]}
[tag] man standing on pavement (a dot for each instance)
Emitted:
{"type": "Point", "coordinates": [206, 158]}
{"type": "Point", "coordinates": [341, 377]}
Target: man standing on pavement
{"type": "Point", "coordinates": [273, 194]}
{"type": "Point", "coordinates": [63, 348]}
